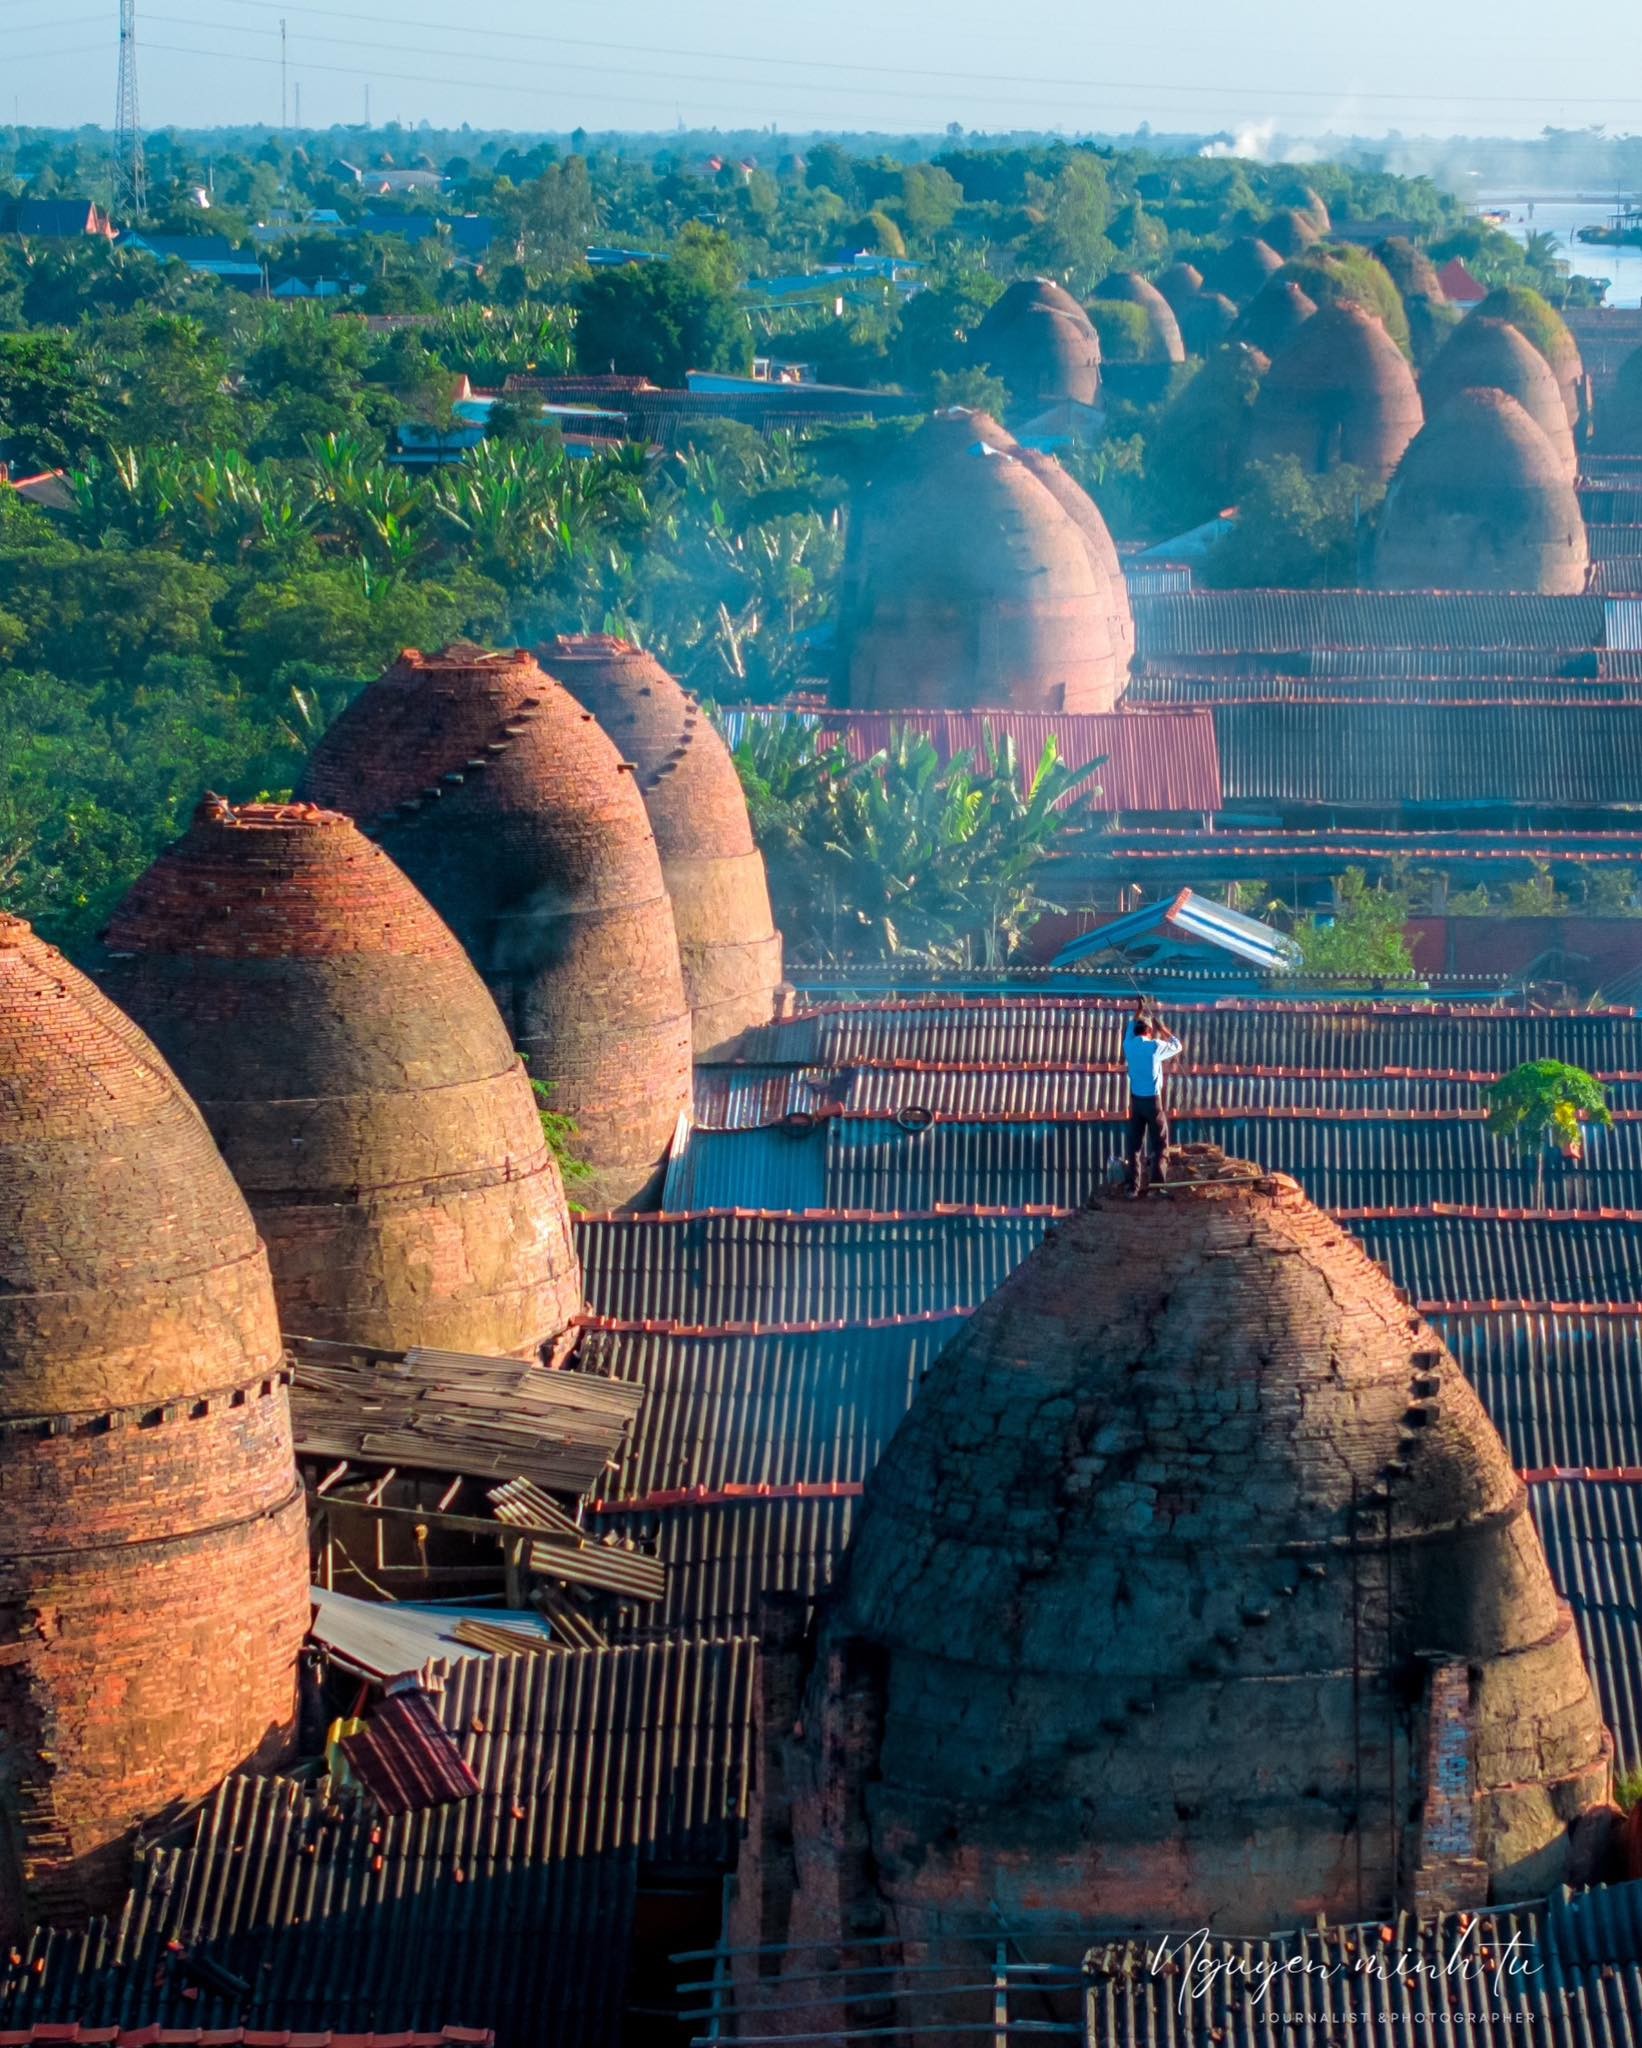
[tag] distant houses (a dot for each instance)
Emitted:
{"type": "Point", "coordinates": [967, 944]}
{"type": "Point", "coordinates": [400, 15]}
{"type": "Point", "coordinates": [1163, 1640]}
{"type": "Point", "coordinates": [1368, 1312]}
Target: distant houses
{"type": "Point", "coordinates": [54, 220]}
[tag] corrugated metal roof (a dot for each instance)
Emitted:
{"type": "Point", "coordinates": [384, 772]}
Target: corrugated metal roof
{"type": "Point", "coordinates": [1592, 1530]}
{"type": "Point", "coordinates": [1155, 760]}
{"type": "Point", "coordinates": [385, 1640]}
{"type": "Point", "coordinates": [1355, 1160]}
{"type": "Point", "coordinates": [1337, 1038]}
{"type": "Point", "coordinates": [513, 1909]}
{"type": "Point", "coordinates": [722, 1557]}
{"type": "Point", "coordinates": [1485, 1259]}
{"type": "Point", "coordinates": [1417, 676]}
{"type": "Point", "coordinates": [733, 1098]}
{"type": "Point", "coordinates": [72, 2036]}
{"type": "Point", "coordinates": [406, 1758]}
{"type": "Point", "coordinates": [1340, 752]}
{"type": "Point", "coordinates": [1486, 1979]}
{"type": "Point", "coordinates": [1188, 916]}
{"type": "Point", "coordinates": [730, 1268]}
{"type": "Point", "coordinates": [769, 1408]}
{"type": "Point", "coordinates": [1257, 621]}
{"type": "Point", "coordinates": [1563, 1390]}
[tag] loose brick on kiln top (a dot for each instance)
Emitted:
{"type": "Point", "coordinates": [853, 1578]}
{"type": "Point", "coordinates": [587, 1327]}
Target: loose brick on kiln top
{"type": "Point", "coordinates": [153, 1566]}
{"type": "Point", "coordinates": [507, 804]}
{"type": "Point", "coordinates": [358, 1078]}
{"type": "Point", "coordinates": [728, 945]}
{"type": "Point", "coordinates": [1139, 1607]}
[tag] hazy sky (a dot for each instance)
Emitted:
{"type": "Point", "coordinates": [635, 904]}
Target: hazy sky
{"type": "Point", "coordinates": [1422, 66]}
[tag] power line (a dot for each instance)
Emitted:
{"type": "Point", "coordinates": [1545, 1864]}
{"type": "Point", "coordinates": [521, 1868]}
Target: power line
{"type": "Point", "coordinates": [1147, 106]}
{"type": "Point", "coordinates": [1333, 95]}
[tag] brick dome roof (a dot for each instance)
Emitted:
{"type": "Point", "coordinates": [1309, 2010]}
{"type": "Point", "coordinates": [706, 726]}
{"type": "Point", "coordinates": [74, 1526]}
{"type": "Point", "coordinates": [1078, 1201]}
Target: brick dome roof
{"type": "Point", "coordinates": [969, 585]}
{"type": "Point", "coordinates": [1134, 290]}
{"type": "Point", "coordinates": [1290, 232]}
{"type": "Point", "coordinates": [728, 944]}
{"type": "Point", "coordinates": [1039, 340]}
{"type": "Point", "coordinates": [1275, 315]}
{"type": "Point", "coordinates": [509, 807]}
{"type": "Point", "coordinates": [1206, 321]}
{"type": "Point", "coordinates": [1545, 327]}
{"type": "Point", "coordinates": [358, 1078]}
{"type": "Point", "coordinates": [1341, 392]}
{"type": "Point", "coordinates": [1481, 501]}
{"type": "Point", "coordinates": [1180, 283]}
{"type": "Point", "coordinates": [1483, 352]}
{"type": "Point", "coordinates": [1140, 1620]}
{"type": "Point", "coordinates": [1241, 268]}
{"type": "Point", "coordinates": [150, 1517]}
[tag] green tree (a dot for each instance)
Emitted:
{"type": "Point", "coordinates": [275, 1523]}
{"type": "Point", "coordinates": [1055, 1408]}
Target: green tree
{"type": "Point", "coordinates": [1363, 941]}
{"type": "Point", "coordinates": [1543, 1103]}
{"type": "Point", "coordinates": [52, 411]}
{"type": "Point", "coordinates": [657, 320]}
{"type": "Point", "coordinates": [1295, 531]}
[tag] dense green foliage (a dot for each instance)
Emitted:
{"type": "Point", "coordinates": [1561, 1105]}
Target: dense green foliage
{"type": "Point", "coordinates": [904, 854]}
{"type": "Point", "coordinates": [1362, 942]}
{"type": "Point", "coordinates": [237, 551]}
{"type": "Point", "coordinates": [1296, 531]}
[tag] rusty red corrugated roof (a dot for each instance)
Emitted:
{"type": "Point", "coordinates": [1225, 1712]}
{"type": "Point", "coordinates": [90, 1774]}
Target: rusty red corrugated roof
{"type": "Point", "coordinates": [407, 1758]}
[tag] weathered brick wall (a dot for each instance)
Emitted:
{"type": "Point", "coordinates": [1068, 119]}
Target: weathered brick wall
{"type": "Point", "coordinates": [728, 945]}
{"type": "Point", "coordinates": [359, 1079]}
{"type": "Point", "coordinates": [153, 1567]}
{"type": "Point", "coordinates": [1149, 1570]}
{"type": "Point", "coordinates": [510, 808]}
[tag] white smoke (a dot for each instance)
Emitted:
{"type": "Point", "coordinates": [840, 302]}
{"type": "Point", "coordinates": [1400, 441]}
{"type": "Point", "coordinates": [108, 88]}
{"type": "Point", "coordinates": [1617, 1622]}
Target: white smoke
{"type": "Point", "coordinates": [1257, 141]}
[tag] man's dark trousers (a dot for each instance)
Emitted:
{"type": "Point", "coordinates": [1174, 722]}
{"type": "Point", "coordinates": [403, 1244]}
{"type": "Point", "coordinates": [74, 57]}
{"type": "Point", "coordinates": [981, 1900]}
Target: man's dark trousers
{"type": "Point", "coordinates": [1147, 1122]}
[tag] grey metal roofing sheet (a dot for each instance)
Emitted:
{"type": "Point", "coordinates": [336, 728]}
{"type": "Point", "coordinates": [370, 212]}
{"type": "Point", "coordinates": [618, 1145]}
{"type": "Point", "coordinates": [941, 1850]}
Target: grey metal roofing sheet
{"type": "Point", "coordinates": [727, 1408]}
{"type": "Point", "coordinates": [1441, 753]}
{"type": "Point", "coordinates": [1422, 677]}
{"type": "Point", "coordinates": [1343, 1162]}
{"type": "Point", "coordinates": [1253, 621]}
{"type": "Point", "coordinates": [512, 1909]}
{"type": "Point", "coordinates": [1344, 1039]}
{"type": "Point", "coordinates": [1399, 1985]}
{"type": "Point", "coordinates": [783, 1269]}
{"type": "Point", "coordinates": [1480, 1259]}
{"type": "Point", "coordinates": [732, 1099]}
{"type": "Point", "coordinates": [384, 1640]}
{"type": "Point", "coordinates": [1564, 1390]}
{"type": "Point", "coordinates": [722, 1557]}
{"type": "Point", "coordinates": [1592, 1531]}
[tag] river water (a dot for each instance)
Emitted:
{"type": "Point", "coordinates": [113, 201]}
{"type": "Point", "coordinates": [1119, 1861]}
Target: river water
{"type": "Point", "coordinates": [1558, 214]}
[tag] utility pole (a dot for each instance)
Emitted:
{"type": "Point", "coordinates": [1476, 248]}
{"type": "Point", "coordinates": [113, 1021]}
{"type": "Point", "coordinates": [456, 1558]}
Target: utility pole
{"type": "Point", "coordinates": [283, 123]}
{"type": "Point", "coordinates": [367, 103]}
{"type": "Point", "coordinates": [299, 105]}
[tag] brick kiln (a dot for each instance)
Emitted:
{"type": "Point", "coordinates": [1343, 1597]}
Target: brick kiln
{"type": "Point", "coordinates": [1482, 501]}
{"type": "Point", "coordinates": [728, 945]}
{"type": "Point", "coordinates": [1340, 392]}
{"type": "Point", "coordinates": [1195, 1589]}
{"type": "Point", "coordinates": [153, 1554]}
{"type": "Point", "coordinates": [976, 577]}
{"type": "Point", "coordinates": [359, 1080]}
{"type": "Point", "coordinates": [505, 802]}
{"type": "Point", "coordinates": [1041, 342]}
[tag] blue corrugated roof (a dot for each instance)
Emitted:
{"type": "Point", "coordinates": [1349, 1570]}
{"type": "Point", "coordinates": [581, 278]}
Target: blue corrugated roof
{"type": "Point", "coordinates": [1194, 917]}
